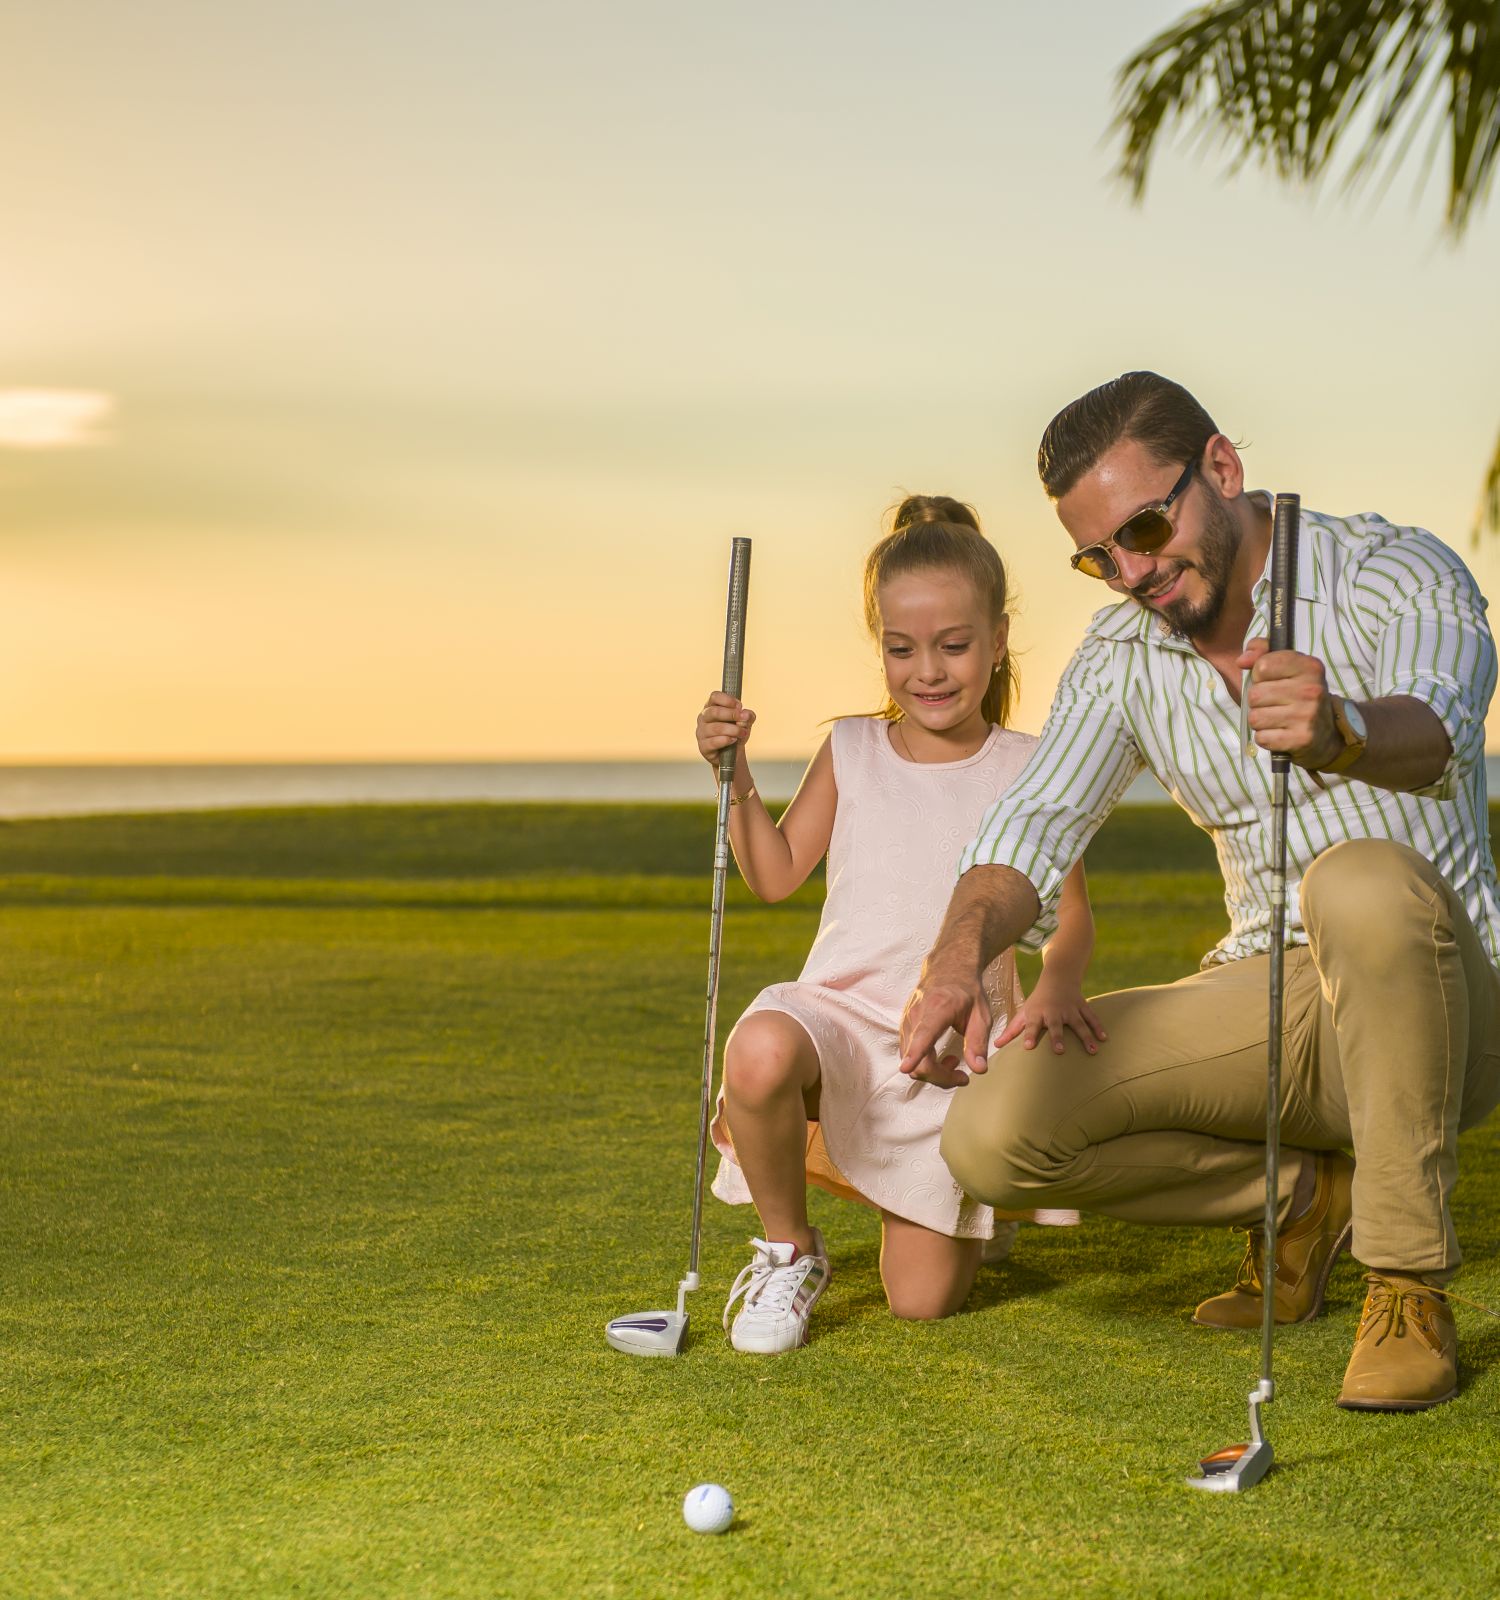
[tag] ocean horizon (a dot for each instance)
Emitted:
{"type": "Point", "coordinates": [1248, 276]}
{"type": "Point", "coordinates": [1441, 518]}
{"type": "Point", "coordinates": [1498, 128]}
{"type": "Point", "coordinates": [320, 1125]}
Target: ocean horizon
{"type": "Point", "coordinates": [104, 788]}
{"type": "Point", "coordinates": [72, 789]}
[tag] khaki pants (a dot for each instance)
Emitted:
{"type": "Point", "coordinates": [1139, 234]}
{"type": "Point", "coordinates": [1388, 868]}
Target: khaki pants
{"type": "Point", "coordinates": [1391, 1046]}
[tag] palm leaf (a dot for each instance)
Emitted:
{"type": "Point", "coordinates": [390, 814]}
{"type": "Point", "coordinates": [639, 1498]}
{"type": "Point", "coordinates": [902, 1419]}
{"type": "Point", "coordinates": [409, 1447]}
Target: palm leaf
{"type": "Point", "coordinates": [1289, 82]}
{"type": "Point", "coordinates": [1489, 500]}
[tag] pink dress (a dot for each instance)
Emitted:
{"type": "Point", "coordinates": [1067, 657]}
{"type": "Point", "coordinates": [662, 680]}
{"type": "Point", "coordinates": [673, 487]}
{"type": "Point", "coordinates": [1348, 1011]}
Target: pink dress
{"type": "Point", "coordinates": [892, 861]}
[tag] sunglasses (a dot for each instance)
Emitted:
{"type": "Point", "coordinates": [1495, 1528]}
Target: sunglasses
{"type": "Point", "coordinates": [1142, 535]}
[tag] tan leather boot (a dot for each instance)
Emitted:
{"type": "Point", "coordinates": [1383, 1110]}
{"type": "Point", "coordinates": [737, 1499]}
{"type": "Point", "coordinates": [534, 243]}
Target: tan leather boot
{"type": "Point", "coordinates": [1406, 1351]}
{"type": "Point", "coordinates": [1306, 1249]}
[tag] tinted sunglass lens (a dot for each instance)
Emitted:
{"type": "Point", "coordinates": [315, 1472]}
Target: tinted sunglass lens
{"type": "Point", "coordinates": [1096, 563]}
{"type": "Point", "coordinates": [1145, 533]}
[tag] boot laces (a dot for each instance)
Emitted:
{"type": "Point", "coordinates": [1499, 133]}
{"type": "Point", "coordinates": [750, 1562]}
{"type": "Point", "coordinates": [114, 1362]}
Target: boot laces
{"type": "Point", "coordinates": [1391, 1305]}
{"type": "Point", "coordinates": [1251, 1276]}
{"type": "Point", "coordinates": [1248, 1277]}
{"type": "Point", "coordinates": [1398, 1303]}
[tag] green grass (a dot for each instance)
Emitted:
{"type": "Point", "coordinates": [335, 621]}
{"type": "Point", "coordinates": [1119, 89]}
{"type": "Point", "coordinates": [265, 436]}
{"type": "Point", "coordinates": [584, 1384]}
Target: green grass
{"type": "Point", "coordinates": [329, 1140]}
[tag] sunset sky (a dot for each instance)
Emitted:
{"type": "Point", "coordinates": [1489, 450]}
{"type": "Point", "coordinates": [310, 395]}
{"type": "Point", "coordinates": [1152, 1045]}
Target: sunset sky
{"type": "Point", "coordinates": [387, 380]}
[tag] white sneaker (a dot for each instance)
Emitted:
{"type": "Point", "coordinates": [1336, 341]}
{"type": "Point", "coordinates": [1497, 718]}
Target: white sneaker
{"type": "Point", "coordinates": [998, 1248]}
{"type": "Point", "coordinates": [779, 1294]}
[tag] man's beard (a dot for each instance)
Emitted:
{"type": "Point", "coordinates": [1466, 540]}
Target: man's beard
{"type": "Point", "coordinates": [1218, 545]}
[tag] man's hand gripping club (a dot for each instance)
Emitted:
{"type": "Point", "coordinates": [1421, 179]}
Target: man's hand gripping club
{"type": "Point", "coordinates": [991, 908]}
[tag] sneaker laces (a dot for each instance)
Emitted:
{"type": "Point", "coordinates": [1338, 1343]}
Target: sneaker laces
{"type": "Point", "coordinates": [765, 1285]}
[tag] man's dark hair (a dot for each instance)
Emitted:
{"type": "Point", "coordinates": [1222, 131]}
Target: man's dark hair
{"type": "Point", "coordinates": [1152, 410]}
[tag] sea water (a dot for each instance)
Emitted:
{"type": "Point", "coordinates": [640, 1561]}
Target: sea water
{"type": "Point", "coordinates": [78, 790]}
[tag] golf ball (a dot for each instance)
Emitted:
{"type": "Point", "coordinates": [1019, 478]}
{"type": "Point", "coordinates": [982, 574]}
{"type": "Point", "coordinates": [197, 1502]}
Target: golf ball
{"type": "Point", "coordinates": [708, 1508]}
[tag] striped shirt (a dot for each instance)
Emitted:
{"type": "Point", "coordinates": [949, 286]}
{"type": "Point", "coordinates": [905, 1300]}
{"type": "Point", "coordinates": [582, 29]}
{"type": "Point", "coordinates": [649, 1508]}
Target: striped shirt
{"type": "Point", "coordinates": [1388, 611]}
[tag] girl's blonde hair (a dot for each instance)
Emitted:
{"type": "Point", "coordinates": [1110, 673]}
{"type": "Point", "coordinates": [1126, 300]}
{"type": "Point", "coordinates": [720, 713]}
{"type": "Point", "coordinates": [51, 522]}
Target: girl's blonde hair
{"type": "Point", "coordinates": [936, 533]}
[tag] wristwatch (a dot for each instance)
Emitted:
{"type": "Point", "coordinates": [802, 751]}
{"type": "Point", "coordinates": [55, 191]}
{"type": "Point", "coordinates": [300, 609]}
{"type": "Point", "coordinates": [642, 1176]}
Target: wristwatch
{"type": "Point", "coordinates": [1350, 722]}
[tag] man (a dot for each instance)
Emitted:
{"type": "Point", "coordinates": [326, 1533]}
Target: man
{"type": "Point", "coordinates": [1392, 1009]}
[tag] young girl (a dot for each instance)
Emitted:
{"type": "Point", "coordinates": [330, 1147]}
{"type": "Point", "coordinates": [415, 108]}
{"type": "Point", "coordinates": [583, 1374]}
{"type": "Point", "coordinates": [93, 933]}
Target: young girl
{"type": "Point", "coordinates": [811, 1088]}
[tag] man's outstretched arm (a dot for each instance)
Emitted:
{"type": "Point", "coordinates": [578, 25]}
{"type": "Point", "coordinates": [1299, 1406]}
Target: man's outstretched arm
{"type": "Point", "coordinates": [991, 908]}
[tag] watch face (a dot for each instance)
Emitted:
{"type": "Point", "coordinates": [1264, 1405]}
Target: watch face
{"type": "Point", "coordinates": [1355, 718]}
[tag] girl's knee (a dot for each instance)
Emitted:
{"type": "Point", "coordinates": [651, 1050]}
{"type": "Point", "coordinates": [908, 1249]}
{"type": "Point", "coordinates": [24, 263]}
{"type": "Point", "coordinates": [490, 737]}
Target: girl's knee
{"type": "Point", "coordinates": [762, 1058]}
{"type": "Point", "coordinates": [926, 1275]}
{"type": "Point", "coordinates": [917, 1305]}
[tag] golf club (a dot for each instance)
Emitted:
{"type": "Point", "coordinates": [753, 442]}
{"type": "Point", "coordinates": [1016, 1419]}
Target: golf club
{"type": "Point", "coordinates": [663, 1333]}
{"type": "Point", "coordinates": [1239, 1466]}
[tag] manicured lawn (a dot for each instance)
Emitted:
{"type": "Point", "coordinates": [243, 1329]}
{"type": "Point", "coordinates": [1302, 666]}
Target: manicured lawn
{"type": "Point", "coordinates": [329, 1140]}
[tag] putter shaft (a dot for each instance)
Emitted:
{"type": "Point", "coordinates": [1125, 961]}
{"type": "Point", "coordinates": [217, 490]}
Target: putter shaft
{"type": "Point", "coordinates": [1241, 1466]}
{"type": "Point", "coordinates": [664, 1333]}
{"type": "Point", "coordinates": [732, 681]}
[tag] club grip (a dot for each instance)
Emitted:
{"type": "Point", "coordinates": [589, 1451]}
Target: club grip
{"type": "Point", "coordinates": [1285, 525]}
{"type": "Point", "coordinates": [734, 621]}
{"type": "Point", "coordinates": [734, 638]}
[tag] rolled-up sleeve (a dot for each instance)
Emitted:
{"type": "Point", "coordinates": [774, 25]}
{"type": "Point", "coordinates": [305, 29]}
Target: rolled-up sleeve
{"type": "Point", "coordinates": [1084, 761]}
{"type": "Point", "coordinates": [1434, 643]}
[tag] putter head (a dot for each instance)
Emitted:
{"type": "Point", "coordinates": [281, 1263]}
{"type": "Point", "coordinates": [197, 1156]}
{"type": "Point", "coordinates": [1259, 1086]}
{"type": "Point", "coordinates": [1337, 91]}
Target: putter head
{"type": "Point", "coordinates": [649, 1333]}
{"type": "Point", "coordinates": [1236, 1467]}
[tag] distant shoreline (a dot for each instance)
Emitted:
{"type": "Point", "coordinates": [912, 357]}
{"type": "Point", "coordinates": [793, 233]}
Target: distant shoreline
{"type": "Point", "coordinates": [102, 788]}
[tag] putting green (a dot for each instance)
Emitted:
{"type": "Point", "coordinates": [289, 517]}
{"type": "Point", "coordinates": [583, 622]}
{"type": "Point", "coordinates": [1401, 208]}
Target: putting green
{"type": "Point", "coordinates": [330, 1140]}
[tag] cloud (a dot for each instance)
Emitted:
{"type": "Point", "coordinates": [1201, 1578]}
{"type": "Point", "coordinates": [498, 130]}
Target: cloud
{"type": "Point", "coordinates": [53, 419]}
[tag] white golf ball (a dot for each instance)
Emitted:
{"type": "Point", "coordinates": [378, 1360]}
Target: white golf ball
{"type": "Point", "coordinates": [708, 1508]}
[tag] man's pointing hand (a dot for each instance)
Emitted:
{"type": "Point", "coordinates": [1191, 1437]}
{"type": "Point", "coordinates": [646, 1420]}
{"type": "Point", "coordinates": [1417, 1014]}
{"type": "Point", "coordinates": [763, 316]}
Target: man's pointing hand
{"type": "Point", "coordinates": [935, 1007]}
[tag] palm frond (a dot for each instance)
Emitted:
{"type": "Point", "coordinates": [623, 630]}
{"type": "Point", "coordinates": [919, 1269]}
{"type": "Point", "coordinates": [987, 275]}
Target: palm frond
{"type": "Point", "coordinates": [1488, 517]}
{"type": "Point", "coordinates": [1289, 82]}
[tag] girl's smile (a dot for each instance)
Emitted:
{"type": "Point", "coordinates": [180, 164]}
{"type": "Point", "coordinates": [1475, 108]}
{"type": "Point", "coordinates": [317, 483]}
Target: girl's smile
{"type": "Point", "coordinates": [939, 648]}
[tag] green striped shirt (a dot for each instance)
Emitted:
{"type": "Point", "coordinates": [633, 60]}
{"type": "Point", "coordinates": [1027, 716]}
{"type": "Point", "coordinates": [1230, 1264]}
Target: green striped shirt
{"type": "Point", "coordinates": [1388, 611]}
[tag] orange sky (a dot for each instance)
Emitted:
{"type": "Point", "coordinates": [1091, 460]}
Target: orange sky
{"type": "Point", "coordinates": [389, 384]}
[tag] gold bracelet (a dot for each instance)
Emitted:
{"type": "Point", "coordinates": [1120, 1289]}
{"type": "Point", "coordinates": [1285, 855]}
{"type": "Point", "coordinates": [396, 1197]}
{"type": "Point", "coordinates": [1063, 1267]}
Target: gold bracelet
{"type": "Point", "coordinates": [740, 799]}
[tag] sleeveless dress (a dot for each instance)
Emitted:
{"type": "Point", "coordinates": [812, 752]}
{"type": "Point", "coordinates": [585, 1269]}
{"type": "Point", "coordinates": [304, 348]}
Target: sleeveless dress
{"type": "Point", "coordinates": [898, 832]}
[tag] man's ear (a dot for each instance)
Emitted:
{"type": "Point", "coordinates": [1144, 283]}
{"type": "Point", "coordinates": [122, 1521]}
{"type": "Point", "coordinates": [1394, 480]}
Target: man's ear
{"type": "Point", "coordinates": [1221, 465]}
